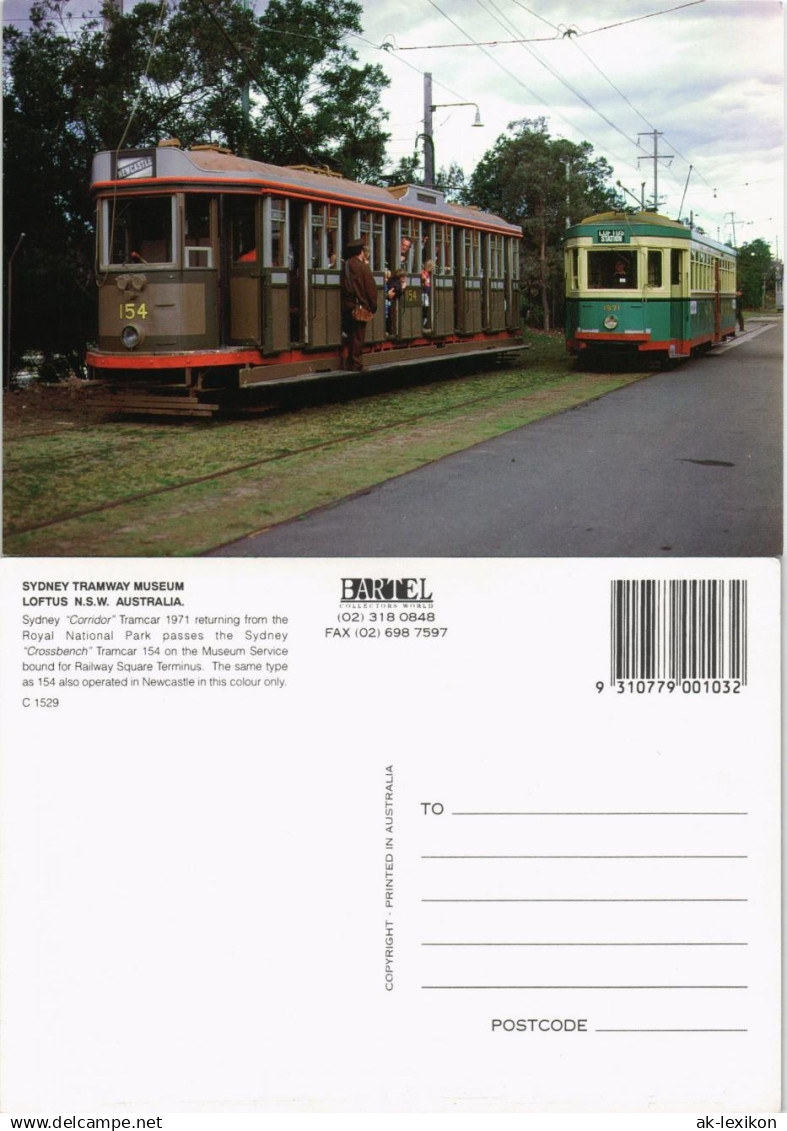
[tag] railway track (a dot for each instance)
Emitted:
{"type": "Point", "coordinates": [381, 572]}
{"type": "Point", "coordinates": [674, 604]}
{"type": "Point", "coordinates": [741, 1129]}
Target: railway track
{"type": "Point", "coordinates": [336, 441]}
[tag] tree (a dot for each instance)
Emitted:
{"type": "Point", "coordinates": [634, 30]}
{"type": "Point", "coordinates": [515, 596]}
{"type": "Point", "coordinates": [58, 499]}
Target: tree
{"type": "Point", "coordinates": [756, 272]}
{"type": "Point", "coordinates": [536, 181]}
{"type": "Point", "coordinates": [177, 69]}
{"type": "Point", "coordinates": [409, 171]}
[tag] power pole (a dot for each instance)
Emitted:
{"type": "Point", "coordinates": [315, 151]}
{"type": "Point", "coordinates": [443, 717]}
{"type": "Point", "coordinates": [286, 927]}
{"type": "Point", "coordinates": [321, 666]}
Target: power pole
{"type": "Point", "coordinates": [115, 6]}
{"type": "Point", "coordinates": [9, 284]}
{"type": "Point", "coordinates": [245, 94]}
{"type": "Point", "coordinates": [732, 221]}
{"type": "Point", "coordinates": [655, 157]}
{"type": "Point", "coordinates": [567, 162]}
{"type": "Point", "coordinates": [428, 134]}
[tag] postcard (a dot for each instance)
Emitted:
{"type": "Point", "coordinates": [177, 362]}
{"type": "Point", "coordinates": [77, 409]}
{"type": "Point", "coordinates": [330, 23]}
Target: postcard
{"type": "Point", "coordinates": [390, 601]}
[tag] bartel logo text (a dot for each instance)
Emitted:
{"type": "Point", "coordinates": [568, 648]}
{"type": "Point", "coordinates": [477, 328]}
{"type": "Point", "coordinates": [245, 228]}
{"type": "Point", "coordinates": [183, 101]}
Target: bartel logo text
{"type": "Point", "coordinates": [385, 589]}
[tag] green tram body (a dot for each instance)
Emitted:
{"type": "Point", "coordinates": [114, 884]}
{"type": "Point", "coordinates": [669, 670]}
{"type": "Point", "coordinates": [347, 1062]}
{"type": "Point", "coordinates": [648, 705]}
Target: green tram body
{"type": "Point", "coordinates": [674, 296]}
{"type": "Point", "coordinates": [218, 273]}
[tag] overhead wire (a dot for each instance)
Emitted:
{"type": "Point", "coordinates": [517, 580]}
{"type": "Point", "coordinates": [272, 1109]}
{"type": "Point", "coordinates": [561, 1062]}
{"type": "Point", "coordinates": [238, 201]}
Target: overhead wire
{"type": "Point", "coordinates": [637, 111]}
{"type": "Point", "coordinates": [606, 77]}
{"type": "Point", "coordinates": [628, 101]}
{"type": "Point", "coordinates": [567, 33]}
{"type": "Point", "coordinates": [394, 51]}
{"type": "Point", "coordinates": [509, 26]}
{"type": "Point", "coordinates": [502, 20]}
{"type": "Point", "coordinates": [637, 19]}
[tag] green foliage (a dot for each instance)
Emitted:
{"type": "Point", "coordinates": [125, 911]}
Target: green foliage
{"type": "Point", "coordinates": [537, 181]}
{"type": "Point", "coordinates": [409, 171]}
{"type": "Point", "coordinates": [756, 272]}
{"type": "Point", "coordinates": [163, 70]}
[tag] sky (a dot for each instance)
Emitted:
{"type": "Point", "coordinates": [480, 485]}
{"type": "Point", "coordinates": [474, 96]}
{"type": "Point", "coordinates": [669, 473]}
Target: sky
{"type": "Point", "coordinates": [706, 74]}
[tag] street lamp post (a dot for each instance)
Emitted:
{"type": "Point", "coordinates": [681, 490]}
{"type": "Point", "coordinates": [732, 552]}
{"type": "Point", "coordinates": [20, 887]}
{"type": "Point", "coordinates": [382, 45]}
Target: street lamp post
{"type": "Point", "coordinates": [428, 134]}
{"type": "Point", "coordinates": [9, 285]}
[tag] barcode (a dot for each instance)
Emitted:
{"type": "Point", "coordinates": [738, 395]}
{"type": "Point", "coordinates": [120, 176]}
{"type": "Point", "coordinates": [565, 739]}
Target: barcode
{"type": "Point", "coordinates": [678, 630]}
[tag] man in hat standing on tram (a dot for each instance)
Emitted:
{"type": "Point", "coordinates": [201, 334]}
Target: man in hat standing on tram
{"type": "Point", "coordinates": [358, 290]}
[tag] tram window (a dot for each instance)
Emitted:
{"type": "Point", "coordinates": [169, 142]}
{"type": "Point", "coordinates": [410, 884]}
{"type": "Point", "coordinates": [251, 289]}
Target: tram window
{"type": "Point", "coordinates": [675, 258]}
{"type": "Point", "coordinates": [611, 270]}
{"type": "Point", "coordinates": [197, 235]}
{"type": "Point", "coordinates": [371, 234]}
{"type": "Point", "coordinates": [325, 227]}
{"type": "Point", "coordinates": [496, 257]}
{"type": "Point", "coordinates": [407, 248]}
{"type": "Point", "coordinates": [242, 210]}
{"type": "Point", "coordinates": [427, 243]}
{"type": "Point", "coordinates": [654, 268]}
{"type": "Point", "coordinates": [472, 251]}
{"type": "Point", "coordinates": [444, 259]}
{"type": "Point", "coordinates": [419, 246]}
{"type": "Point", "coordinates": [140, 229]}
{"type": "Point", "coordinates": [378, 243]}
{"type": "Point", "coordinates": [318, 224]}
{"type": "Point", "coordinates": [279, 256]}
{"type": "Point", "coordinates": [332, 237]}
{"type": "Point", "coordinates": [574, 279]}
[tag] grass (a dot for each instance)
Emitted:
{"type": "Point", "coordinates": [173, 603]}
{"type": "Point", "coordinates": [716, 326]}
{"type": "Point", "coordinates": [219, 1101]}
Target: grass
{"type": "Point", "coordinates": [61, 463]}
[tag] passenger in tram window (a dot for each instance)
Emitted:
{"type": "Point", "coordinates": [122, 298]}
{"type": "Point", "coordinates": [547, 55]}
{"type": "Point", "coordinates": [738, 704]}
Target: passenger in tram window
{"type": "Point", "coordinates": [407, 243]}
{"type": "Point", "coordinates": [426, 290]}
{"type": "Point", "coordinates": [394, 286]}
{"type": "Point", "coordinates": [620, 274]}
{"type": "Point", "coordinates": [387, 297]}
{"type": "Point", "coordinates": [358, 289]}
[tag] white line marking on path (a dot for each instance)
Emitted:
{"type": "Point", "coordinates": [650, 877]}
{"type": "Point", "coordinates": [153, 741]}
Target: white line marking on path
{"type": "Point", "coordinates": [746, 338]}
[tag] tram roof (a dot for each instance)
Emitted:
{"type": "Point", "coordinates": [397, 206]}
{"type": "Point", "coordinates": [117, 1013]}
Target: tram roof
{"type": "Point", "coordinates": [645, 224]}
{"type": "Point", "coordinates": [201, 167]}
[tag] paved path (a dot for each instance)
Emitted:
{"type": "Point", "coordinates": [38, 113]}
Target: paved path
{"type": "Point", "coordinates": [686, 462]}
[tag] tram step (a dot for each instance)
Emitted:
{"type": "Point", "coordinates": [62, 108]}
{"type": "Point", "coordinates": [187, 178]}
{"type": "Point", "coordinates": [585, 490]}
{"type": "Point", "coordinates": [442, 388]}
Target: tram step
{"type": "Point", "coordinates": [166, 406]}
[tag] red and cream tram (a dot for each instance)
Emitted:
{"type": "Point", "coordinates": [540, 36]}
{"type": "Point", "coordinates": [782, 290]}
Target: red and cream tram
{"type": "Point", "coordinates": [217, 273]}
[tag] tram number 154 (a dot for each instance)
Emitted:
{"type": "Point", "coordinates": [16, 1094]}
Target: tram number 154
{"type": "Point", "coordinates": [129, 310]}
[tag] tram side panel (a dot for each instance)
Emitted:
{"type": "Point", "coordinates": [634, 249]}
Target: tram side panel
{"type": "Point", "coordinates": [325, 309]}
{"type": "Point", "coordinates": [470, 290]}
{"type": "Point", "coordinates": [442, 305]}
{"type": "Point", "coordinates": [166, 311]}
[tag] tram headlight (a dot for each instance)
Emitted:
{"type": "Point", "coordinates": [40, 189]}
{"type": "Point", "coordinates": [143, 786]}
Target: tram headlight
{"type": "Point", "coordinates": [130, 336]}
{"type": "Point", "coordinates": [610, 322]}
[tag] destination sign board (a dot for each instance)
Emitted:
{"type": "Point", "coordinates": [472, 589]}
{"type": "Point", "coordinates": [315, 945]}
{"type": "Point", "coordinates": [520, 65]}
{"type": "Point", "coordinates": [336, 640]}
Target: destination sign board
{"type": "Point", "coordinates": [612, 235]}
{"type": "Point", "coordinates": [132, 167]}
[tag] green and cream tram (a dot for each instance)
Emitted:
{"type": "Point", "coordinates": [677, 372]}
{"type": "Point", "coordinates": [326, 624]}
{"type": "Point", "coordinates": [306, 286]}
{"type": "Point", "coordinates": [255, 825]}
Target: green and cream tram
{"type": "Point", "coordinates": [646, 284]}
